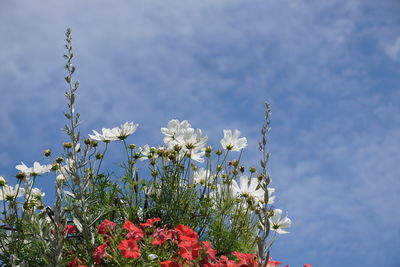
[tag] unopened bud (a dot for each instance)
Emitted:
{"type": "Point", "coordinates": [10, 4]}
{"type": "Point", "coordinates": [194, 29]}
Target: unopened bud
{"type": "Point", "coordinates": [252, 169]}
{"type": "Point", "coordinates": [99, 156]}
{"type": "Point", "coordinates": [67, 145]}
{"type": "Point", "coordinates": [208, 149]}
{"type": "Point", "coordinates": [47, 152]}
{"type": "Point", "coordinates": [242, 168]}
{"type": "Point", "coordinates": [87, 141]}
{"type": "Point", "coordinates": [54, 167]}
{"type": "Point", "coordinates": [235, 163]}
{"type": "Point", "coordinates": [3, 181]}
{"type": "Point", "coordinates": [219, 168]}
{"type": "Point", "coordinates": [59, 160]}
{"type": "Point", "coordinates": [218, 152]}
{"type": "Point", "coordinates": [132, 146]}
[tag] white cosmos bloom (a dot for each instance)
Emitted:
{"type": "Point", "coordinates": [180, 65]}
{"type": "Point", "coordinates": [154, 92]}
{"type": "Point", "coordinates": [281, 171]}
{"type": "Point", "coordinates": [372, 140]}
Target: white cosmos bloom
{"type": "Point", "coordinates": [10, 193]}
{"type": "Point", "coordinates": [191, 139]}
{"type": "Point", "coordinates": [36, 194]}
{"type": "Point", "coordinates": [36, 170]}
{"type": "Point", "coordinates": [232, 141]}
{"type": "Point", "coordinates": [107, 135]}
{"type": "Point", "coordinates": [277, 224]}
{"type": "Point", "coordinates": [124, 130]}
{"type": "Point", "coordinates": [174, 127]}
{"type": "Point", "coordinates": [201, 176]}
{"type": "Point", "coordinates": [248, 188]}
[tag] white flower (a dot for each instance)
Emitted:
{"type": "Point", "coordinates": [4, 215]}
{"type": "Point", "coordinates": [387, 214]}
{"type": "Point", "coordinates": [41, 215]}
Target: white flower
{"type": "Point", "coordinates": [232, 141]}
{"type": "Point", "coordinates": [10, 193]}
{"type": "Point", "coordinates": [36, 170]}
{"type": "Point", "coordinates": [189, 139]}
{"type": "Point", "coordinates": [22, 167]}
{"type": "Point", "coordinates": [36, 194]}
{"type": "Point", "coordinates": [174, 127]}
{"type": "Point", "coordinates": [106, 136]}
{"type": "Point", "coordinates": [124, 130]}
{"type": "Point", "coordinates": [248, 188]}
{"type": "Point", "coordinates": [200, 176]}
{"type": "Point", "coordinates": [277, 224]}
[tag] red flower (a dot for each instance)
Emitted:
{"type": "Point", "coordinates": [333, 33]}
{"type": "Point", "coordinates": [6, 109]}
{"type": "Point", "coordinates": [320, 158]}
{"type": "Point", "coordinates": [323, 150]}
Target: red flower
{"type": "Point", "coordinates": [150, 222]}
{"type": "Point", "coordinates": [170, 264]}
{"type": "Point", "coordinates": [185, 233]}
{"type": "Point", "coordinates": [129, 249]}
{"type": "Point", "coordinates": [162, 235]}
{"type": "Point", "coordinates": [224, 261]}
{"type": "Point", "coordinates": [70, 229]}
{"type": "Point", "coordinates": [100, 253]}
{"type": "Point", "coordinates": [189, 249]}
{"type": "Point", "coordinates": [307, 265]}
{"type": "Point", "coordinates": [134, 232]}
{"type": "Point", "coordinates": [246, 259]}
{"type": "Point", "coordinates": [106, 227]}
{"type": "Point", "coordinates": [74, 262]}
{"type": "Point", "coordinates": [209, 251]}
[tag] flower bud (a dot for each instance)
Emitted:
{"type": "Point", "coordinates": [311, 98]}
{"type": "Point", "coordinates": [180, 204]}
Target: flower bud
{"type": "Point", "coordinates": [132, 146]}
{"type": "Point", "coordinates": [136, 155]}
{"type": "Point", "coordinates": [177, 148]}
{"type": "Point", "coordinates": [242, 168]}
{"type": "Point", "coordinates": [93, 143]}
{"type": "Point", "coordinates": [3, 181]}
{"type": "Point", "coordinates": [219, 168]}
{"type": "Point", "coordinates": [87, 141]}
{"type": "Point", "coordinates": [219, 152]}
{"type": "Point", "coordinates": [235, 163]}
{"type": "Point", "coordinates": [59, 160]}
{"type": "Point", "coordinates": [47, 152]}
{"type": "Point", "coordinates": [208, 149]}
{"type": "Point", "coordinates": [67, 145]}
{"type": "Point", "coordinates": [54, 167]}
{"type": "Point", "coordinates": [99, 156]}
{"type": "Point", "coordinates": [253, 169]}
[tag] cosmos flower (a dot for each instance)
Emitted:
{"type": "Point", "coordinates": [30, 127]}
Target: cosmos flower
{"type": "Point", "coordinates": [36, 170]}
{"type": "Point", "coordinates": [248, 188]}
{"type": "Point", "coordinates": [232, 141]}
{"type": "Point", "coordinates": [106, 136]}
{"type": "Point", "coordinates": [173, 128]}
{"type": "Point", "coordinates": [277, 224]}
{"type": "Point", "coordinates": [10, 193]}
{"type": "Point", "coordinates": [124, 130]}
{"type": "Point", "coordinates": [201, 176]}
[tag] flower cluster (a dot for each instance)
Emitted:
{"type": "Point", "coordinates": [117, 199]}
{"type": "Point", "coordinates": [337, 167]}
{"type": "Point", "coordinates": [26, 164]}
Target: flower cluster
{"type": "Point", "coordinates": [215, 211]}
{"type": "Point", "coordinates": [161, 246]}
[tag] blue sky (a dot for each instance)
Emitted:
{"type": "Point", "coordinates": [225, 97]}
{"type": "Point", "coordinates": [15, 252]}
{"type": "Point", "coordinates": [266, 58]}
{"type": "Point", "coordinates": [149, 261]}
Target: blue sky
{"type": "Point", "coordinates": [329, 68]}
